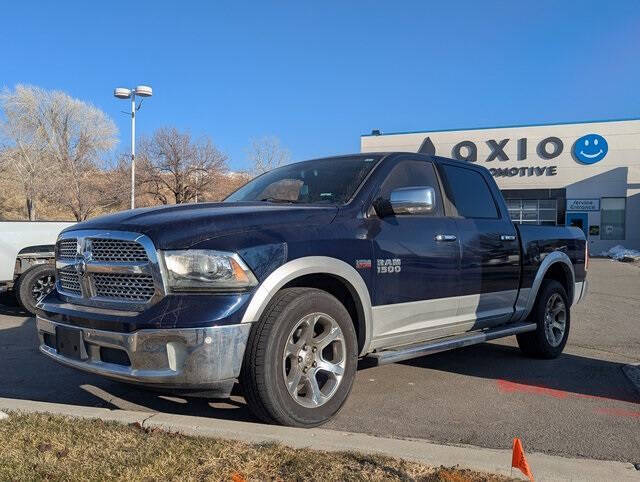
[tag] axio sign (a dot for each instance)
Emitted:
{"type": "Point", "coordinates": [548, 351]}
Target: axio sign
{"type": "Point", "coordinates": [588, 149]}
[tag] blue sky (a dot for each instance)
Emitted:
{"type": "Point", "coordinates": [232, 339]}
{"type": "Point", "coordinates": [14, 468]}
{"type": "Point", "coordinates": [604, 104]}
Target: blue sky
{"type": "Point", "coordinates": [319, 74]}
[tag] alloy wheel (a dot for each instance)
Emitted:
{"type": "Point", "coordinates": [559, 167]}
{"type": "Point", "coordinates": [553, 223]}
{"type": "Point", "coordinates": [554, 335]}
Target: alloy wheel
{"type": "Point", "coordinates": [555, 319]}
{"type": "Point", "coordinates": [42, 287]}
{"type": "Point", "coordinates": [314, 360]}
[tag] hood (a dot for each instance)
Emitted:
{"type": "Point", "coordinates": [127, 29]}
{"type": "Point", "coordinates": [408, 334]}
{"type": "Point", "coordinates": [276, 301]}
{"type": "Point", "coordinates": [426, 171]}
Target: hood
{"type": "Point", "coordinates": [184, 225]}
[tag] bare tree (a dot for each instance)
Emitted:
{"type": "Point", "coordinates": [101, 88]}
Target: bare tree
{"type": "Point", "coordinates": [227, 184]}
{"type": "Point", "coordinates": [67, 136]}
{"type": "Point", "coordinates": [23, 159]}
{"type": "Point", "coordinates": [266, 153]}
{"type": "Point", "coordinates": [176, 168]}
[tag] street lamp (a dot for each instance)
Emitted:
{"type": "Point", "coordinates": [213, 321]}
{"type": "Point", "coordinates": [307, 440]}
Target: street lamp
{"type": "Point", "coordinates": [124, 93]}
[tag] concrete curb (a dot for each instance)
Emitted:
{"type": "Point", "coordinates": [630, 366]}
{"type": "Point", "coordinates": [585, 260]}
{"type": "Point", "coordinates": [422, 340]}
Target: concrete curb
{"type": "Point", "coordinates": [544, 467]}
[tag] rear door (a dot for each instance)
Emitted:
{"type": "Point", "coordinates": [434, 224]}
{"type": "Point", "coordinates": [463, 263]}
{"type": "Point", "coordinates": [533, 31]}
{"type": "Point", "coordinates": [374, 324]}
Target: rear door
{"type": "Point", "coordinates": [490, 253]}
{"type": "Point", "coordinates": [416, 275]}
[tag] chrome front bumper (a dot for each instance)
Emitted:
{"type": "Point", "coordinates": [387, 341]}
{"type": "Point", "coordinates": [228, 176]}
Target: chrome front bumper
{"type": "Point", "coordinates": [180, 358]}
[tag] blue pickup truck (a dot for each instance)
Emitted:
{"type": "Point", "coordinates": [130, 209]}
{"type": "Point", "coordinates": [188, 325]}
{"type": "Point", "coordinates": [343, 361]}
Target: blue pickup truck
{"type": "Point", "coordinates": [297, 275]}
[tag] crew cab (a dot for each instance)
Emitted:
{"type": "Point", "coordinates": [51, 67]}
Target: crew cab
{"type": "Point", "coordinates": [301, 272]}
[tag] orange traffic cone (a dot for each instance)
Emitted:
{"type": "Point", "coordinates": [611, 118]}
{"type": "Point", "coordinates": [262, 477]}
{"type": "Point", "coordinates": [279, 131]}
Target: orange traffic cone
{"type": "Point", "coordinates": [518, 460]}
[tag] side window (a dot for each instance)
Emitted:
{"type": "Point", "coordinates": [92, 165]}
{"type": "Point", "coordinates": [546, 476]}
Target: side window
{"type": "Point", "coordinates": [409, 174]}
{"type": "Point", "coordinates": [470, 193]}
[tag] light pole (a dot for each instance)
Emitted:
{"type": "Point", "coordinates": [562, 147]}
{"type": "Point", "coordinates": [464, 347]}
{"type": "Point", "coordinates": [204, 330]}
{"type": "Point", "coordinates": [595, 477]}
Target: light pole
{"type": "Point", "coordinates": [124, 93]}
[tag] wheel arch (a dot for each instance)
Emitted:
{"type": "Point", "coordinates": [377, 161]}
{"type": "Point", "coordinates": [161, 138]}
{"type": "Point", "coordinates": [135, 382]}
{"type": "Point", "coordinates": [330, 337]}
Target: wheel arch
{"type": "Point", "coordinates": [556, 266]}
{"type": "Point", "coordinates": [330, 274]}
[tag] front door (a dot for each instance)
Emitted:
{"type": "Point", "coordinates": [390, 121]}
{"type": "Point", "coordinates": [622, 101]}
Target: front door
{"type": "Point", "coordinates": [579, 220]}
{"type": "Point", "coordinates": [416, 269]}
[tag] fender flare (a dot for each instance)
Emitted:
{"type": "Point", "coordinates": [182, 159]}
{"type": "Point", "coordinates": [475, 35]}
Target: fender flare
{"type": "Point", "coordinates": [305, 266]}
{"type": "Point", "coordinates": [548, 261]}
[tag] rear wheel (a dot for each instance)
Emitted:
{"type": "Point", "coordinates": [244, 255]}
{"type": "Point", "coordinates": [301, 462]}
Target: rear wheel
{"type": "Point", "coordinates": [301, 359]}
{"type": "Point", "coordinates": [551, 314]}
{"type": "Point", "coordinates": [34, 284]}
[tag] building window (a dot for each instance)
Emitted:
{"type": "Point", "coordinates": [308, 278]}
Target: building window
{"type": "Point", "coordinates": [533, 211]}
{"type": "Point", "coordinates": [612, 216]}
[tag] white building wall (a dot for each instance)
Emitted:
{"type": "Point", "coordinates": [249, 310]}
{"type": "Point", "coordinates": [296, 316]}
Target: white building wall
{"type": "Point", "coordinates": [616, 175]}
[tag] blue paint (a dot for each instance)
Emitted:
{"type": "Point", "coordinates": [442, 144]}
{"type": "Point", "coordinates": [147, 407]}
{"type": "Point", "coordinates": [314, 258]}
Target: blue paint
{"type": "Point", "coordinates": [268, 235]}
{"type": "Point", "coordinates": [590, 149]}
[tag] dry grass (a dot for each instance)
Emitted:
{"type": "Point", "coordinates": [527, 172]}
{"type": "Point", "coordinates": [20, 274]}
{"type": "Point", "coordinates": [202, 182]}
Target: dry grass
{"type": "Point", "coordinates": [36, 447]}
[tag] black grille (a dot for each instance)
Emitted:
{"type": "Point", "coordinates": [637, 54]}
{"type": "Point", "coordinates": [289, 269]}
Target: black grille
{"type": "Point", "coordinates": [69, 281]}
{"type": "Point", "coordinates": [67, 248]}
{"type": "Point", "coordinates": [134, 287]}
{"type": "Point", "coordinates": [117, 250]}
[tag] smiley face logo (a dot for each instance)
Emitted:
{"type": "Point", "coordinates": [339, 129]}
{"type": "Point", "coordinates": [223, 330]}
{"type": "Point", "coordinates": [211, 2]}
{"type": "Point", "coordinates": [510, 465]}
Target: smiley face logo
{"type": "Point", "coordinates": [590, 149]}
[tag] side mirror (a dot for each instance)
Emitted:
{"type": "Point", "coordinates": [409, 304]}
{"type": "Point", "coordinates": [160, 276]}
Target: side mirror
{"type": "Point", "coordinates": [413, 200]}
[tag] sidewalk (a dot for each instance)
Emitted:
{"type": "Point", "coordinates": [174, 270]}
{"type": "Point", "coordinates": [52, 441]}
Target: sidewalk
{"type": "Point", "coordinates": [544, 467]}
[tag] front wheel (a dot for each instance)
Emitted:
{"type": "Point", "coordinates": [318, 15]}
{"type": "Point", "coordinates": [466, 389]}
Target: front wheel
{"type": "Point", "coordinates": [34, 284]}
{"type": "Point", "coordinates": [551, 314]}
{"type": "Point", "coordinates": [301, 359]}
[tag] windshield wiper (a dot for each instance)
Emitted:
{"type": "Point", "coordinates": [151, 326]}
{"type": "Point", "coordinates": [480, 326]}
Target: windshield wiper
{"type": "Point", "coordinates": [278, 200]}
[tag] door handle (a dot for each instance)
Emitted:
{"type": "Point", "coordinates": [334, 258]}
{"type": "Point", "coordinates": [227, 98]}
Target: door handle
{"type": "Point", "coordinates": [446, 237]}
{"type": "Point", "coordinates": [507, 237]}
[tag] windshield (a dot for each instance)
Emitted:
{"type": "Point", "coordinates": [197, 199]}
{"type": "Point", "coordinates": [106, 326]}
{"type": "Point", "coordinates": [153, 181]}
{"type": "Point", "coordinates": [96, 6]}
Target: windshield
{"type": "Point", "coordinates": [331, 181]}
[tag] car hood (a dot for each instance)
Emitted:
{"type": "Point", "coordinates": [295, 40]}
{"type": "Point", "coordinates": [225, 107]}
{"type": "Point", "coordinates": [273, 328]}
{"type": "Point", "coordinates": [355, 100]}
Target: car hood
{"type": "Point", "coordinates": [185, 225]}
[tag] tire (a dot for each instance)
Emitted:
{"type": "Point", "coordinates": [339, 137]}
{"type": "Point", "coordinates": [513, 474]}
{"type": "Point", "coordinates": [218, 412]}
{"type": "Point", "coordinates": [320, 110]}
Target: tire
{"type": "Point", "coordinates": [552, 332]}
{"type": "Point", "coordinates": [301, 316]}
{"type": "Point", "coordinates": [33, 284]}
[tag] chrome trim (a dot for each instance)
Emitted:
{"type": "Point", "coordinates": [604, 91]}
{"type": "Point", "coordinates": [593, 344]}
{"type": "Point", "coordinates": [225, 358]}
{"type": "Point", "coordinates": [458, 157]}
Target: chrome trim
{"type": "Point", "coordinates": [527, 298]}
{"type": "Point", "coordinates": [311, 265]}
{"type": "Point", "coordinates": [412, 200]}
{"type": "Point", "coordinates": [43, 254]}
{"type": "Point", "coordinates": [417, 321]}
{"type": "Point", "coordinates": [446, 237]}
{"type": "Point", "coordinates": [88, 296]}
{"type": "Point", "coordinates": [495, 305]}
{"type": "Point", "coordinates": [171, 358]}
{"type": "Point", "coordinates": [400, 323]}
{"type": "Point", "coordinates": [449, 343]}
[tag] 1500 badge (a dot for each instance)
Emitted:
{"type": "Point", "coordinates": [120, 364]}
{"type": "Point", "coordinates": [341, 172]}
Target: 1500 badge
{"type": "Point", "coordinates": [389, 265]}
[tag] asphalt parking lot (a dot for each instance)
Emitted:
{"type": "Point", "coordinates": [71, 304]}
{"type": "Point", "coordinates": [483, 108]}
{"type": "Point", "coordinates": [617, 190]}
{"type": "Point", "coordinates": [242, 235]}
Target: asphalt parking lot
{"type": "Point", "coordinates": [580, 404]}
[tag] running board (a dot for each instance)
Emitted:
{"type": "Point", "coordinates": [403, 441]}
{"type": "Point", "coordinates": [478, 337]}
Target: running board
{"type": "Point", "coordinates": [449, 343]}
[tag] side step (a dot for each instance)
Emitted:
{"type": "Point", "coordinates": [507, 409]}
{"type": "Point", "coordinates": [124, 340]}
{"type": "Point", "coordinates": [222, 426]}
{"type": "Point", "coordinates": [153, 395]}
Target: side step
{"type": "Point", "coordinates": [443, 344]}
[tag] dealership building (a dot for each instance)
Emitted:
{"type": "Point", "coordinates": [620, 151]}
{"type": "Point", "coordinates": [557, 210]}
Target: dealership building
{"type": "Point", "coordinates": [582, 174]}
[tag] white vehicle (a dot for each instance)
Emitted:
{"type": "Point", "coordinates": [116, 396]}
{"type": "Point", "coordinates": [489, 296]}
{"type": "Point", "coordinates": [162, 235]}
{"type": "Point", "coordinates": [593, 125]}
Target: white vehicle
{"type": "Point", "coordinates": [27, 259]}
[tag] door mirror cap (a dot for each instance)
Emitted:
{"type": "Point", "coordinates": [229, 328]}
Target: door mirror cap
{"type": "Point", "coordinates": [413, 200]}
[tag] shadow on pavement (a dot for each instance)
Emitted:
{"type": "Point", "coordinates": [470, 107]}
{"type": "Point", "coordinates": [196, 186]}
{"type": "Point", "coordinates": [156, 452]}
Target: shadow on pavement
{"type": "Point", "coordinates": [27, 374]}
{"type": "Point", "coordinates": [9, 305]}
{"type": "Point", "coordinates": [568, 374]}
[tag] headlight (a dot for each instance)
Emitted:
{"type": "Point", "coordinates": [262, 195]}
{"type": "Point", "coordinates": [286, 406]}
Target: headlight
{"type": "Point", "coordinates": [202, 270]}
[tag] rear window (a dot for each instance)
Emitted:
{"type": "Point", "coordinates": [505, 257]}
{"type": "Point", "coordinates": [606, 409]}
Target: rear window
{"type": "Point", "coordinates": [470, 193]}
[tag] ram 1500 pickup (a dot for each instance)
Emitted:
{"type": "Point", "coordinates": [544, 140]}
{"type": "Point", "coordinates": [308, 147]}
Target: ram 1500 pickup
{"type": "Point", "coordinates": [301, 272]}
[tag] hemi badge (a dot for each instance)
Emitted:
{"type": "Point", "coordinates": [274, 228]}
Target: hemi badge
{"type": "Point", "coordinates": [363, 264]}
